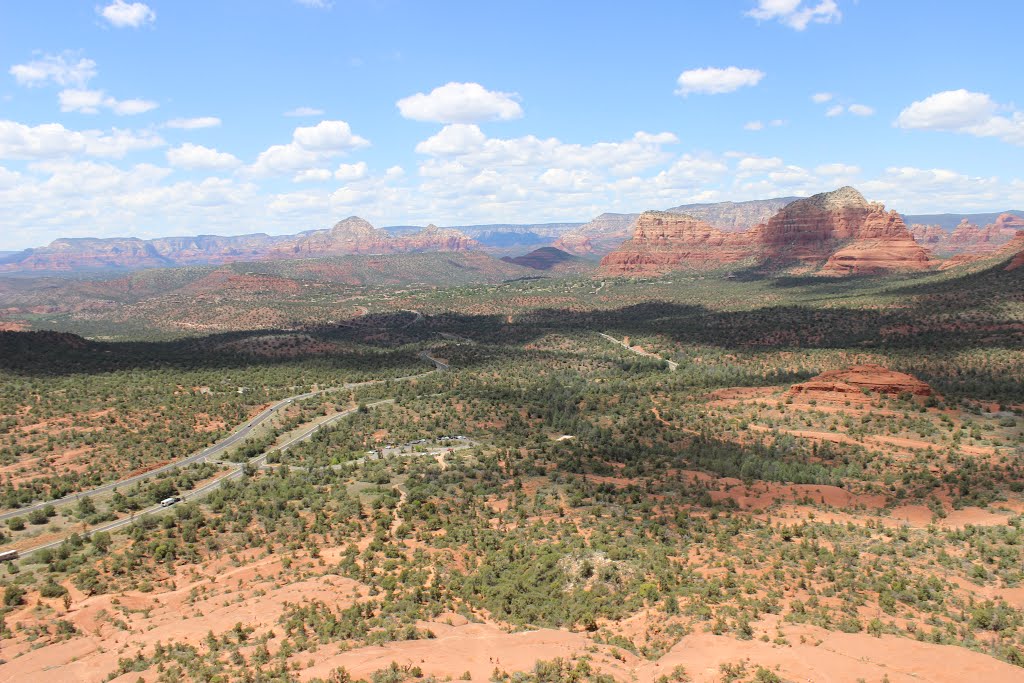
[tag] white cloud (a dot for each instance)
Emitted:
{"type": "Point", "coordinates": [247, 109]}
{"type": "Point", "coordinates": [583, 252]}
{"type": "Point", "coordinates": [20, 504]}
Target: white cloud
{"type": "Point", "coordinates": [304, 111]}
{"type": "Point", "coordinates": [90, 102]}
{"type": "Point", "coordinates": [911, 189]}
{"type": "Point", "coordinates": [122, 14]}
{"type": "Point", "coordinates": [52, 140]}
{"type": "Point", "coordinates": [837, 170]}
{"type": "Point", "coordinates": [355, 171]}
{"type": "Point", "coordinates": [316, 4]}
{"type": "Point", "coordinates": [310, 147]}
{"type": "Point", "coordinates": [821, 97]}
{"type": "Point", "coordinates": [312, 175]}
{"type": "Point", "coordinates": [860, 110]}
{"type": "Point", "coordinates": [795, 14]}
{"type": "Point", "coordinates": [962, 111]}
{"type": "Point", "coordinates": [192, 157]}
{"type": "Point", "coordinates": [715, 81]}
{"type": "Point", "coordinates": [461, 103]}
{"type": "Point", "coordinates": [755, 165]}
{"type": "Point", "coordinates": [457, 138]}
{"type": "Point", "coordinates": [194, 123]}
{"type": "Point", "coordinates": [835, 110]}
{"type": "Point", "coordinates": [949, 110]}
{"type": "Point", "coordinates": [58, 69]}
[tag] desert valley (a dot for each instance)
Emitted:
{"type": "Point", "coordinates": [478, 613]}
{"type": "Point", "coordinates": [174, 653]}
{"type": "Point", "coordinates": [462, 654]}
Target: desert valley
{"type": "Point", "coordinates": [291, 398]}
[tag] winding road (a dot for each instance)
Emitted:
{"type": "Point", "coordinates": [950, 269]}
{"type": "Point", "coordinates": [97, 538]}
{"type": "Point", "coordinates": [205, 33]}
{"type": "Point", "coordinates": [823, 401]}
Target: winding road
{"type": "Point", "coordinates": [208, 453]}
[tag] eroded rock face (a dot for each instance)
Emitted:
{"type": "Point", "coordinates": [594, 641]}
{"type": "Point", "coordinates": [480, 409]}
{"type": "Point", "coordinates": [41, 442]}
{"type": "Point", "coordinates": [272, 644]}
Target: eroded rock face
{"type": "Point", "coordinates": [851, 383]}
{"type": "Point", "coordinates": [601, 235]}
{"type": "Point", "coordinates": [1016, 250]}
{"type": "Point", "coordinates": [433, 238]}
{"type": "Point", "coordinates": [839, 231]}
{"type": "Point", "coordinates": [848, 233]}
{"type": "Point", "coordinates": [968, 242]}
{"type": "Point", "coordinates": [665, 241]}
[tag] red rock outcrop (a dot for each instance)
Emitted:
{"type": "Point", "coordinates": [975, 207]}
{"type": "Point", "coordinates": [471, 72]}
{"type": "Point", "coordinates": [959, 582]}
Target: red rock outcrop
{"type": "Point", "coordinates": [928, 235]}
{"type": "Point", "coordinates": [433, 238]}
{"type": "Point", "coordinates": [844, 230]}
{"type": "Point", "coordinates": [839, 231]}
{"type": "Point", "coordinates": [667, 241]}
{"type": "Point", "coordinates": [851, 383]}
{"type": "Point", "coordinates": [968, 242]}
{"type": "Point", "coordinates": [1015, 249]}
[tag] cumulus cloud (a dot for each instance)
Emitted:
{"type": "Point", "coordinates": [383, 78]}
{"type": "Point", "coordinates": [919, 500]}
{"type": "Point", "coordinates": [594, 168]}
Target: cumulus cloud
{"type": "Point", "coordinates": [835, 110]}
{"type": "Point", "coordinates": [304, 111]}
{"type": "Point", "coordinates": [860, 110]}
{"type": "Point", "coordinates": [310, 147]}
{"type": "Point", "coordinates": [312, 175]}
{"type": "Point", "coordinates": [753, 165]}
{"type": "Point", "coordinates": [63, 70]}
{"type": "Point", "coordinates": [51, 140]}
{"type": "Point", "coordinates": [837, 170]}
{"type": "Point", "coordinates": [715, 81]}
{"type": "Point", "coordinates": [316, 4]}
{"type": "Point", "coordinates": [821, 97]}
{"type": "Point", "coordinates": [962, 111]}
{"type": "Point", "coordinates": [190, 156]}
{"type": "Point", "coordinates": [461, 103]}
{"type": "Point", "coordinates": [194, 123]}
{"type": "Point", "coordinates": [351, 171]}
{"type": "Point", "coordinates": [909, 189]}
{"type": "Point", "coordinates": [91, 101]}
{"type": "Point", "coordinates": [795, 14]}
{"type": "Point", "coordinates": [121, 14]}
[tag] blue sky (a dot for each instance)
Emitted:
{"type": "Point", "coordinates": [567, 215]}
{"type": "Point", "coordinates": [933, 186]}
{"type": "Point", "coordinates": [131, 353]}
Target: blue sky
{"type": "Point", "coordinates": [159, 118]}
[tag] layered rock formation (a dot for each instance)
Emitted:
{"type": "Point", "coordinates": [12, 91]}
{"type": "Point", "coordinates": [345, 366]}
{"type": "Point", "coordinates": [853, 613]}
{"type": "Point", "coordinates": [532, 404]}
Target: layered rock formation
{"type": "Point", "coordinates": [665, 241]}
{"type": "Point", "coordinates": [350, 236]}
{"type": "Point", "coordinates": [840, 232]}
{"type": "Point", "coordinates": [848, 233]}
{"type": "Point", "coordinates": [851, 384]}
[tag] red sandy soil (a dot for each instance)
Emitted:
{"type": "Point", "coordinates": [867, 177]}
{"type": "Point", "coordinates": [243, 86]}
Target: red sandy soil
{"type": "Point", "coordinates": [12, 326]}
{"type": "Point", "coordinates": [230, 596]}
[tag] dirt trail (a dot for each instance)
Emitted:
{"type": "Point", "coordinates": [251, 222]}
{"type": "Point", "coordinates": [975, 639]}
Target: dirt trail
{"type": "Point", "coordinates": [638, 350]}
{"type": "Point", "coordinates": [397, 521]}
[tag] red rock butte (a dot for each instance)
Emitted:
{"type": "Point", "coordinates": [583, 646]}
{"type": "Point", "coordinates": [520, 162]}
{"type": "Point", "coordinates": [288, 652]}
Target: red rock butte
{"type": "Point", "coordinates": [839, 232]}
{"type": "Point", "coordinates": [852, 382]}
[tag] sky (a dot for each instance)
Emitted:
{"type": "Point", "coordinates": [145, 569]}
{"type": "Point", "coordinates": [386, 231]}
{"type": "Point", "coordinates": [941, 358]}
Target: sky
{"type": "Point", "coordinates": [157, 118]}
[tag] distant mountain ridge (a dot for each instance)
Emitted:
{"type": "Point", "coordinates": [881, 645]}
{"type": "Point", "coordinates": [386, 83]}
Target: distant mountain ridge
{"type": "Point", "coordinates": [350, 236]}
{"type": "Point", "coordinates": [949, 221]}
{"type": "Point", "coordinates": [735, 215]}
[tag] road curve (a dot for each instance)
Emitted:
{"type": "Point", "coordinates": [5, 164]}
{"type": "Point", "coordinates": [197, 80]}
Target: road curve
{"type": "Point", "coordinates": [232, 439]}
{"type": "Point", "coordinates": [238, 471]}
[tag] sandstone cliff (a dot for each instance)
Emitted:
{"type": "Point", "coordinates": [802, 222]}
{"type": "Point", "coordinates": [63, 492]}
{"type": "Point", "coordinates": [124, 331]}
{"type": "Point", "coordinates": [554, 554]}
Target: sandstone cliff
{"type": "Point", "coordinates": [665, 241]}
{"type": "Point", "coordinates": [839, 232]}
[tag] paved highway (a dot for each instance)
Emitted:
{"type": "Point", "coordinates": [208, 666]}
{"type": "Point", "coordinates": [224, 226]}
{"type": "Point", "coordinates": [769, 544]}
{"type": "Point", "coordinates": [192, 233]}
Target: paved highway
{"type": "Point", "coordinates": [209, 452]}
